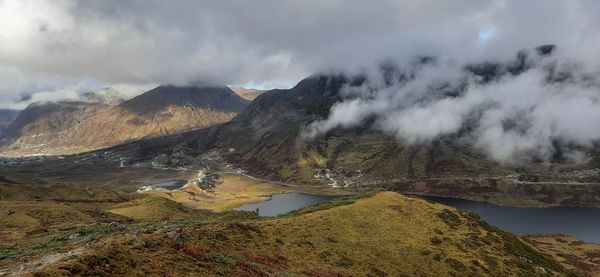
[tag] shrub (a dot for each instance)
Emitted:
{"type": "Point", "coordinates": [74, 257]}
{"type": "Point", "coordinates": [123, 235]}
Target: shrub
{"type": "Point", "coordinates": [435, 241]}
{"type": "Point", "coordinates": [220, 258]}
{"type": "Point", "coordinates": [456, 265]}
{"type": "Point", "coordinates": [449, 217]}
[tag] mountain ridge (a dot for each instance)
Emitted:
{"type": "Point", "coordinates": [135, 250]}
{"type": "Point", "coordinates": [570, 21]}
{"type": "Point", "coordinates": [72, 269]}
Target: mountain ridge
{"type": "Point", "coordinates": [84, 126]}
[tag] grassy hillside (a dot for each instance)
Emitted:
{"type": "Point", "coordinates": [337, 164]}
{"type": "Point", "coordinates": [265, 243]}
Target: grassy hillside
{"type": "Point", "coordinates": [385, 234]}
{"type": "Point", "coordinates": [578, 256]}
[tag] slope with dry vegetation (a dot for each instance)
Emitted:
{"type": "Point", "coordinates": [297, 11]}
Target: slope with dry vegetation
{"type": "Point", "coordinates": [385, 234]}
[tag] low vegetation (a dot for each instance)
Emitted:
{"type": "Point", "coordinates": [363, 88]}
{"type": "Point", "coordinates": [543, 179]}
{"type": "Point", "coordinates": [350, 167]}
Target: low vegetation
{"type": "Point", "coordinates": [379, 234]}
{"type": "Point", "coordinates": [576, 255]}
{"type": "Point", "coordinates": [196, 232]}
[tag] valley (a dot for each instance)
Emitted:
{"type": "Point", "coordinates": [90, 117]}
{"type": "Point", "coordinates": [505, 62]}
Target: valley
{"type": "Point", "coordinates": [391, 138]}
{"type": "Point", "coordinates": [56, 224]}
{"type": "Point", "coordinates": [90, 188]}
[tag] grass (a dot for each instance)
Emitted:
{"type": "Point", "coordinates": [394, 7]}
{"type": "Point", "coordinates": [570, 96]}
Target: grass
{"type": "Point", "coordinates": [325, 205]}
{"type": "Point", "coordinates": [235, 191]}
{"type": "Point", "coordinates": [59, 240]}
{"type": "Point", "coordinates": [580, 257]}
{"type": "Point", "coordinates": [374, 234]}
{"type": "Point", "coordinates": [58, 192]}
{"type": "Point", "coordinates": [151, 207]}
{"type": "Point", "coordinates": [34, 219]}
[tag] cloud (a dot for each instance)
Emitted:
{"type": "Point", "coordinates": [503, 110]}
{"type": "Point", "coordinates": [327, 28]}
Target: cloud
{"type": "Point", "coordinates": [534, 106]}
{"type": "Point", "coordinates": [48, 46]}
{"type": "Point", "coordinates": [269, 41]}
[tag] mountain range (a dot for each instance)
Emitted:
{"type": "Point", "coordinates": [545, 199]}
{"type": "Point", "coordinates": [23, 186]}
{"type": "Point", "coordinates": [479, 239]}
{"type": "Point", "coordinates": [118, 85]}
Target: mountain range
{"type": "Point", "coordinates": [268, 140]}
{"type": "Point", "coordinates": [106, 119]}
{"type": "Point", "coordinates": [267, 137]}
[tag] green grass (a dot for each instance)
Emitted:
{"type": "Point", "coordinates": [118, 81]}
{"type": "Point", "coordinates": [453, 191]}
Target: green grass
{"type": "Point", "coordinates": [335, 202]}
{"type": "Point", "coordinates": [220, 258]}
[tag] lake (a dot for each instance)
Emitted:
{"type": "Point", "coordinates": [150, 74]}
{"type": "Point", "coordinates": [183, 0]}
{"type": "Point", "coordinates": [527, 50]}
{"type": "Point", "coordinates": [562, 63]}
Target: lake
{"type": "Point", "coordinates": [583, 223]}
{"type": "Point", "coordinates": [284, 203]}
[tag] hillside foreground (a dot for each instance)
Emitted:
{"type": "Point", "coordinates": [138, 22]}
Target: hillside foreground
{"type": "Point", "coordinates": [372, 234]}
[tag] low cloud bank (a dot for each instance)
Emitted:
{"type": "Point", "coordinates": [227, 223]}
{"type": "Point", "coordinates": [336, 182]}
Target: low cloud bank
{"type": "Point", "coordinates": [538, 106]}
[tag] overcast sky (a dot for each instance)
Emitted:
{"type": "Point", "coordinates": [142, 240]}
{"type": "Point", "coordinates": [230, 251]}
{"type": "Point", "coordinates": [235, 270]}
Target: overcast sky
{"type": "Point", "coordinates": [55, 47]}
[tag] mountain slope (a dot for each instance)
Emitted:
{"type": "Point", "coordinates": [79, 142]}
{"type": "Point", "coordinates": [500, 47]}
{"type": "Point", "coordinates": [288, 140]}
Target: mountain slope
{"type": "Point", "coordinates": [275, 145]}
{"type": "Point", "coordinates": [247, 93]}
{"type": "Point", "coordinates": [269, 140]}
{"type": "Point", "coordinates": [6, 118]}
{"type": "Point", "coordinates": [42, 123]}
{"type": "Point", "coordinates": [383, 235]}
{"type": "Point", "coordinates": [91, 125]}
{"type": "Point", "coordinates": [160, 111]}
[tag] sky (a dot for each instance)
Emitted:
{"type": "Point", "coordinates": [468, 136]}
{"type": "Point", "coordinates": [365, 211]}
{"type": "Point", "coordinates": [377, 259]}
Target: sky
{"type": "Point", "coordinates": [59, 45]}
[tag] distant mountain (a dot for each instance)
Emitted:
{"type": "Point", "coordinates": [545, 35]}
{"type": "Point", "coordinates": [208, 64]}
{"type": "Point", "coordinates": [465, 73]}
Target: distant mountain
{"type": "Point", "coordinates": [7, 116]}
{"type": "Point", "coordinates": [39, 120]}
{"type": "Point", "coordinates": [103, 120]}
{"type": "Point", "coordinates": [161, 111]}
{"type": "Point", "coordinates": [209, 98]}
{"type": "Point", "coordinates": [247, 93]}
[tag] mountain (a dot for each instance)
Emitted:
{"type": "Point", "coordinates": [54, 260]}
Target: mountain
{"type": "Point", "coordinates": [161, 111]}
{"type": "Point", "coordinates": [7, 116]}
{"type": "Point", "coordinates": [103, 120]}
{"type": "Point", "coordinates": [274, 145]}
{"type": "Point", "coordinates": [107, 96]}
{"type": "Point", "coordinates": [268, 139]}
{"type": "Point", "coordinates": [41, 122]}
{"type": "Point", "coordinates": [247, 93]}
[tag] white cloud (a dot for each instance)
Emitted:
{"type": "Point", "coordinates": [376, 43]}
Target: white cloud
{"type": "Point", "coordinates": [514, 118]}
{"type": "Point", "coordinates": [48, 46]}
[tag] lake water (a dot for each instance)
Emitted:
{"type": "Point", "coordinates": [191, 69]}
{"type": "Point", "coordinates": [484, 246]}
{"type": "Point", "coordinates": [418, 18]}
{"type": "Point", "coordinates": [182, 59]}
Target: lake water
{"type": "Point", "coordinates": [283, 203]}
{"type": "Point", "coordinates": [171, 184]}
{"type": "Point", "coordinates": [583, 223]}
